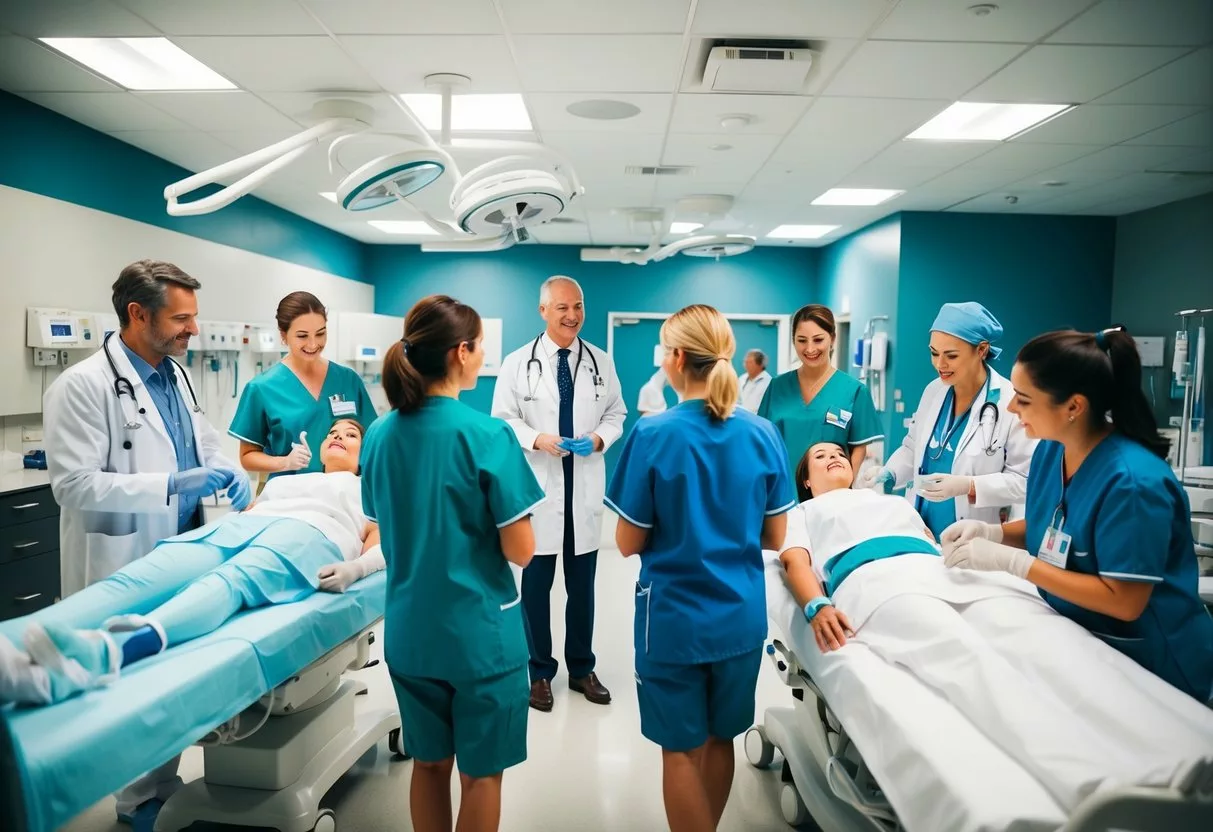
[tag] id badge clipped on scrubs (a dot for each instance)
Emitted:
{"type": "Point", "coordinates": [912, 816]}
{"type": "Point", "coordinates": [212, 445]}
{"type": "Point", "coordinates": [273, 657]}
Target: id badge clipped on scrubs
{"type": "Point", "coordinates": [342, 408]}
{"type": "Point", "coordinates": [1055, 547]}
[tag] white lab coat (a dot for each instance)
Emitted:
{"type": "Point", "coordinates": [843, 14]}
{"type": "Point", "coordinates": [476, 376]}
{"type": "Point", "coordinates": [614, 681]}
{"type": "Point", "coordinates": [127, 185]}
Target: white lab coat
{"type": "Point", "coordinates": [1000, 479]}
{"type": "Point", "coordinates": [530, 418]}
{"type": "Point", "coordinates": [752, 389]}
{"type": "Point", "coordinates": [114, 502]}
{"type": "Point", "coordinates": [651, 398]}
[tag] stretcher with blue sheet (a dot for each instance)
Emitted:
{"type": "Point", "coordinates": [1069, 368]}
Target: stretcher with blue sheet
{"type": "Point", "coordinates": [282, 663]}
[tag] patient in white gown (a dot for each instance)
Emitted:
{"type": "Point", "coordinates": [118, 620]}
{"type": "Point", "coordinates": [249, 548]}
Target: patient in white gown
{"type": "Point", "coordinates": [1074, 712]}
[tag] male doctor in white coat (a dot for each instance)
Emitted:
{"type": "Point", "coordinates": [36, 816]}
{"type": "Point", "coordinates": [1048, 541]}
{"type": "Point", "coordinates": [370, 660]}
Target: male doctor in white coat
{"type": "Point", "coordinates": [130, 455]}
{"type": "Point", "coordinates": [562, 398]}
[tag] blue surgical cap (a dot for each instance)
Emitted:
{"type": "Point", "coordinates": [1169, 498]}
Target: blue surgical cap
{"type": "Point", "coordinates": [970, 322]}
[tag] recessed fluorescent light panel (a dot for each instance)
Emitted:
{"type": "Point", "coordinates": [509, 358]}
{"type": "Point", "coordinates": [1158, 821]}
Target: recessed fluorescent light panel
{"type": "Point", "coordinates": [967, 121]}
{"type": "Point", "coordinates": [415, 227]}
{"type": "Point", "coordinates": [475, 113]}
{"type": "Point", "coordinates": [801, 232]}
{"type": "Point", "coordinates": [856, 196]}
{"type": "Point", "coordinates": [141, 63]}
{"type": "Point", "coordinates": [331, 196]}
{"type": "Point", "coordinates": [684, 227]}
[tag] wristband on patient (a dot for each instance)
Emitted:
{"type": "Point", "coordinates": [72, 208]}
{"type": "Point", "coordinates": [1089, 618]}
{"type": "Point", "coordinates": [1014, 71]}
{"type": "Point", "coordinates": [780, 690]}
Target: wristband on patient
{"type": "Point", "coordinates": [813, 607]}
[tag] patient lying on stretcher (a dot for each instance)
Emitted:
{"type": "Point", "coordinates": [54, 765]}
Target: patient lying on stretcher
{"type": "Point", "coordinates": [1076, 713]}
{"type": "Point", "coordinates": [305, 532]}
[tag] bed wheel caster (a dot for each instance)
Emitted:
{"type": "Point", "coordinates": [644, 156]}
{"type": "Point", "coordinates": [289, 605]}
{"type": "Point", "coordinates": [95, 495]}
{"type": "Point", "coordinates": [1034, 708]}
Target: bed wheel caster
{"type": "Point", "coordinates": [759, 750]}
{"type": "Point", "coordinates": [326, 821]}
{"type": "Point", "coordinates": [395, 743]}
{"type": "Point", "coordinates": [792, 805]}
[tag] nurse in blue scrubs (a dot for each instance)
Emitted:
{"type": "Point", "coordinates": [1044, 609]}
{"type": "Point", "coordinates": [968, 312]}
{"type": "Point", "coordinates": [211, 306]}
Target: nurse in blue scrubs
{"type": "Point", "coordinates": [285, 413]}
{"type": "Point", "coordinates": [817, 403]}
{"type": "Point", "coordinates": [1108, 537]}
{"type": "Point", "coordinates": [700, 491]}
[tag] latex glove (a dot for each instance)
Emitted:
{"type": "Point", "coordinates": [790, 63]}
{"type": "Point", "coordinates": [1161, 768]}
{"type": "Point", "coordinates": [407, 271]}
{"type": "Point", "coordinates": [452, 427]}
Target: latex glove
{"type": "Point", "coordinates": [336, 577]}
{"type": "Point", "coordinates": [240, 492]}
{"type": "Point", "coordinates": [878, 479]}
{"type": "Point", "coordinates": [300, 456]}
{"type": "Point", "coordinates": [987, 556]}
{"type": "Point", "coordinates": [583, 446]}
{"type": "Point", "coordinates": [940, 487]}
{"type": "Point", "coordinates": [199, 482]}
{"type": "Point", "coordinates": [962, 531]}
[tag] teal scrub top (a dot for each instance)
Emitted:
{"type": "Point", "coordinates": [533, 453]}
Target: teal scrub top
{"type": "Point", "coordinates": [441, 482]}
{"type": "Point", "coordinates": [704, 488]}
{"type": "Point", "coordinates": [1130, 520]}
{"type": "Point", "coordinates": [938, 459]}
{"type": "Point", "coordinates": [275, 406]}
{"type": "Point", "coordinates": [841, 412]}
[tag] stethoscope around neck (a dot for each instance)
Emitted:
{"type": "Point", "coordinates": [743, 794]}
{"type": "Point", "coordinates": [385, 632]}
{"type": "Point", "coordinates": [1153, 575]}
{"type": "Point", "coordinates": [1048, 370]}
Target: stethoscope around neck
{"type": "Point", "coordinates": [124, 387]}
{"type": "Point", "coordinates": [987, 423]}
{"type": "Point", "coordinates": [534, 364]}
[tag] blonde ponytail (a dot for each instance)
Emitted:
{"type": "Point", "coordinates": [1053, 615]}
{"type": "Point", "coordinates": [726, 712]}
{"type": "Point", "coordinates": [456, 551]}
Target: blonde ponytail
{"type": "Point", "coordinates": [705, 337]}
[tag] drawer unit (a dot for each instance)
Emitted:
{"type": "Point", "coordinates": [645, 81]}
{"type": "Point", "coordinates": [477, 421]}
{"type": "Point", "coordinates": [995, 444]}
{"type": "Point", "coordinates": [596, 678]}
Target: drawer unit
{"type": "Point", "coordinates": [23, 506]}
{"type": "Point", "coordinates": [28, 585]}
{"type": "Point", "coordinates": [29, 551]}
{"type": "Point", "coordinates": [24, 540]}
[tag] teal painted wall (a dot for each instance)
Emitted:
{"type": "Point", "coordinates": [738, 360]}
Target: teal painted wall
{"type": "Point", "coordinates": [1034, 273]}
{"type": "Point", "coordinates": [506, 285]}
{"type": "Point", "coordinates": [1164, 263]}
{"type": "Point", "coordinates": [49, 154]}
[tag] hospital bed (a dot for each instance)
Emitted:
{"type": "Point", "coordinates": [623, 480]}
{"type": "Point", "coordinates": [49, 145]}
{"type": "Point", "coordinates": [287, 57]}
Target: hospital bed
{"type": "Point", "coordinates": [866, 746]}
{"type": "Point", "coordinates": [263, 694]}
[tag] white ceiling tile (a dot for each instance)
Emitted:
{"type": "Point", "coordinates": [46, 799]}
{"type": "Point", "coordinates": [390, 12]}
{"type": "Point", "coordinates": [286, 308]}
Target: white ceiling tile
{"type": "Point", "coordinates": [562, 234]}
{"type": "Point", "coordinates": [972, 181]}
{"type": "Point", "coordinates": [672, 188]}
{"type": "Point", "coordinates": [388, 112]}
{"type": "Point", "coordinates": [950, 20]}
{"type": "Point", "coordinates": [618, 192]}
{"type": "Point", "coordinates": [1028, 202]}
{"type": "Point", "coordinates": [1073, 174]}
{"type": "Point", "coordinates": [280, 64]}
{"type": "Point", "coordinates": [549, 113]}
{"type": "Point", "coordinates": [1144, 22]}
{"type": "Point", "coordinates": [1105, 124]}
{"type": "Point", "coordinates": [560, 17]}
{"type": "Point", "coordinates": [247, 141]}
{"type": "Point", "coordinates": [931, 198]}
{"type": "Point", "coordinates": [407, 17]}
{"type": "Point", "coordinates": [932, 154]}
{"type": "Point", "coordinates": [400, 62]}
{"type": "Point", "coordinates": [1188, 80]}
{"type": "Point", "coordinates": [1194, 131]}
{"type": "Point", "coordinates": [214, 111]}
{"type": "Point", "coordinates": [1071, 74]}
{"type": "Point", "coordinates": [191, 150]}
{"type": "Point", "coordinates": [1029, 156]}
{"type": "Point", "coordinates": [607, 152]}
{"type": "Point", "coordinates": [1129, 158]}
{"type": "Point", "coordinates": [30, 67]}
{"type": "Point", "coordinates": [770, 114]}
{"type": "Point", "coordinates": [591, 63]}
{"type": "Point", "coordinates": [881, 174]}
{"type": "Point", "coordinates": [901, 69]}
{"type": "Point", "coordinates": [788, 18]}
{"type": "Point", "coordinates": [226, 17]}
{"type": "Point", "coordinates": [860, 127]}
{"type": "Point", "coordinates": [778, 185]}
{"type": "Point", "coordinates": [1202, 160]}
{"type": "Point", "coordinates": [743, 158]}
{"type": "Point", "coordinates": [107, 111]}
{"type": "Point", "coordinates": [71, 18]}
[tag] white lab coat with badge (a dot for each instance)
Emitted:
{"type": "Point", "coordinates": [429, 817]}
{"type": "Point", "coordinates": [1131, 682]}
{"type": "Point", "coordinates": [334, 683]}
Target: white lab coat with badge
{"type": "Point", "coordinates": [1000, 478]}
{"type": "Point", "coordinates": [114, 502]}
{"type": "Point", "coordinates": [603, 416]}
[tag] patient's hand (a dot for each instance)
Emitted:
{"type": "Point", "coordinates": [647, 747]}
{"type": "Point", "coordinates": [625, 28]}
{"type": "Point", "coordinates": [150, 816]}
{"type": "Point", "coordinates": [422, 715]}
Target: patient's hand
{"type": "Point", "coordinates": [929, 535]}
{"type": "Point", "coordinates": [336, 577]}
{"type": "Point", "coordinates": [831, 628]}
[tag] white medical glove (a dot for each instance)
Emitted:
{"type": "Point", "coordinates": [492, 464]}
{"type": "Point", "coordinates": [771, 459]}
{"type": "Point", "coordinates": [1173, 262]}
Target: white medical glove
{"type": "Point", "coordinates": [987, 556]}
{"type": "Point", "coordinates": [336, 577]}
{"type": "Point", "coordinates": [962, 531]}
{"type": "Point", "coordinates": [940, 487]}
{"type": "Point", "coordinates": [300, 456]}
{"type": "Point", "coordinates": [870, 476]}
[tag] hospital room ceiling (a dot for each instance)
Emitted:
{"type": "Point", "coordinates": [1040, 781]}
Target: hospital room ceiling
{"type": "Point", "coordinates": [1139, 71]}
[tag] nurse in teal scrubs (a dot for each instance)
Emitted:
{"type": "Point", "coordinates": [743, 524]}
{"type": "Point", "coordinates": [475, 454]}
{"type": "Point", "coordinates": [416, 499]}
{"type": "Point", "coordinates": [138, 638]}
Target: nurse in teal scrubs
{"type": "Point", "coordinates": [453, 495]}
{"type": "Point", "coordinates": [285, 413]}
{"type": "Point", "coordinates": [816, 403]}
{"type": "Point", "coordinates": [1108, 536]}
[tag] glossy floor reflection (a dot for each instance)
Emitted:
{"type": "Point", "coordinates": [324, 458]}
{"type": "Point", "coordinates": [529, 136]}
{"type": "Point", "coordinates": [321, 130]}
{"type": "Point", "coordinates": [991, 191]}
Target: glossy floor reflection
{"type": "Point", "coordinates": [589, 768]}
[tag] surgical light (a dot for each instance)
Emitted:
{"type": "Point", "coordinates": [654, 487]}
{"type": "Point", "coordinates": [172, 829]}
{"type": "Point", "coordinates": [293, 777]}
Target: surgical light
{"type": "Point", "coordinates": [472, 112]}
{"type": "Point", "coordinates": [801, 232]}
{"type": "Point", "coordinates": [684, 227]}
{"type": "Point", "coordinates": [856, 196]}
{"type": "Point", "coordinates": [141, 63]}
{"type": "Point", "coordinates": [983, 122]}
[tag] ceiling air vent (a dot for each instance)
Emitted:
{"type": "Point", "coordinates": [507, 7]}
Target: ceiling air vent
{"type": "Point", "coordinates": [659, 170]}
{"type": "Point", "coordinates": [757, 69]}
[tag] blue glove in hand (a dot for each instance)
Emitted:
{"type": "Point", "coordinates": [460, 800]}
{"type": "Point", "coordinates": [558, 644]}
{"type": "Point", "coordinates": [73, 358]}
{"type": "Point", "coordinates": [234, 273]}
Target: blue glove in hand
{"type": "Point", "coordinates": [199, 482]}
{"type": "Point", "coordinates": [582, 447]}
{"type": "Point", "coordinates": [240, 492]}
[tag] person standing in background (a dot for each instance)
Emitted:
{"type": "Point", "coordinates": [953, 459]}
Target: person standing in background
{"type": "Point", "coordinates": [754, 381]}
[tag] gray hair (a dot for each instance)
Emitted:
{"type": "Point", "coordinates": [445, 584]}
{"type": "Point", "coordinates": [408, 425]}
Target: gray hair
{"type": "Point", "coordinates": [759, 356]}
{"type": "Point", "coordinates": [545, 291]}
{"type": "Point", "coordinates": [145, 282]}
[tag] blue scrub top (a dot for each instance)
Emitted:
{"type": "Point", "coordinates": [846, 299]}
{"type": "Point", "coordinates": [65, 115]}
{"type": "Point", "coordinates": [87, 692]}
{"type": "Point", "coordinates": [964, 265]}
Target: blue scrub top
{"type": "Point", "coordinates": [939, 457]}
{"type": "Point", "coordinates": [1129, 519]}
{"type": "Point", "coordinates": [703, 488]}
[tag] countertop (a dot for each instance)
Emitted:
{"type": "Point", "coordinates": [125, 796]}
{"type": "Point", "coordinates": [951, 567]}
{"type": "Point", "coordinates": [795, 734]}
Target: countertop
{"type": "Point", "coordinates": [22, 479]}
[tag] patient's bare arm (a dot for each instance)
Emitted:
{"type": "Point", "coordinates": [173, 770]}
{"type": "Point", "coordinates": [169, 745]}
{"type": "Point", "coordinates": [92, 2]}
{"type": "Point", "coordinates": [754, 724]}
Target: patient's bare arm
{"type": "Point", "coordinates": [830, 625]}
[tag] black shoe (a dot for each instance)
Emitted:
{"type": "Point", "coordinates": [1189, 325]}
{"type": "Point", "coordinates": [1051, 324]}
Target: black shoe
{"type": "Point", "coordinates": [589, 685]}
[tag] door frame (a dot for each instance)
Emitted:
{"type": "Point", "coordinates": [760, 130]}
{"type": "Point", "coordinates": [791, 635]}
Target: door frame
{"type": "Point", "coordinates": [783, 323]}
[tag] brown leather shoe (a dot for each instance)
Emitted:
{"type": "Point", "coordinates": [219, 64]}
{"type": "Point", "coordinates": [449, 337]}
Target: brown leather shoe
{"type": "Point", "coordinates": [541, 695]}
{"type": "Point", "coordinates": [593, 689]}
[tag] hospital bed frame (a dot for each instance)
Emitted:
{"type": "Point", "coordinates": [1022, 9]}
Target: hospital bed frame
{"type": "Point", "coordinates": [306, 734]}
{"type": "Point", "coordinates": [827, 785]}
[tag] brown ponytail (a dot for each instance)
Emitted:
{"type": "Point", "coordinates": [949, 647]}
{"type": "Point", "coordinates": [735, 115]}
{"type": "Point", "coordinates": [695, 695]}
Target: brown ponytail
{"type": "Point", "coordinates": [706, 338]}
{"type": "Point", "coordinates": [432, 328]}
